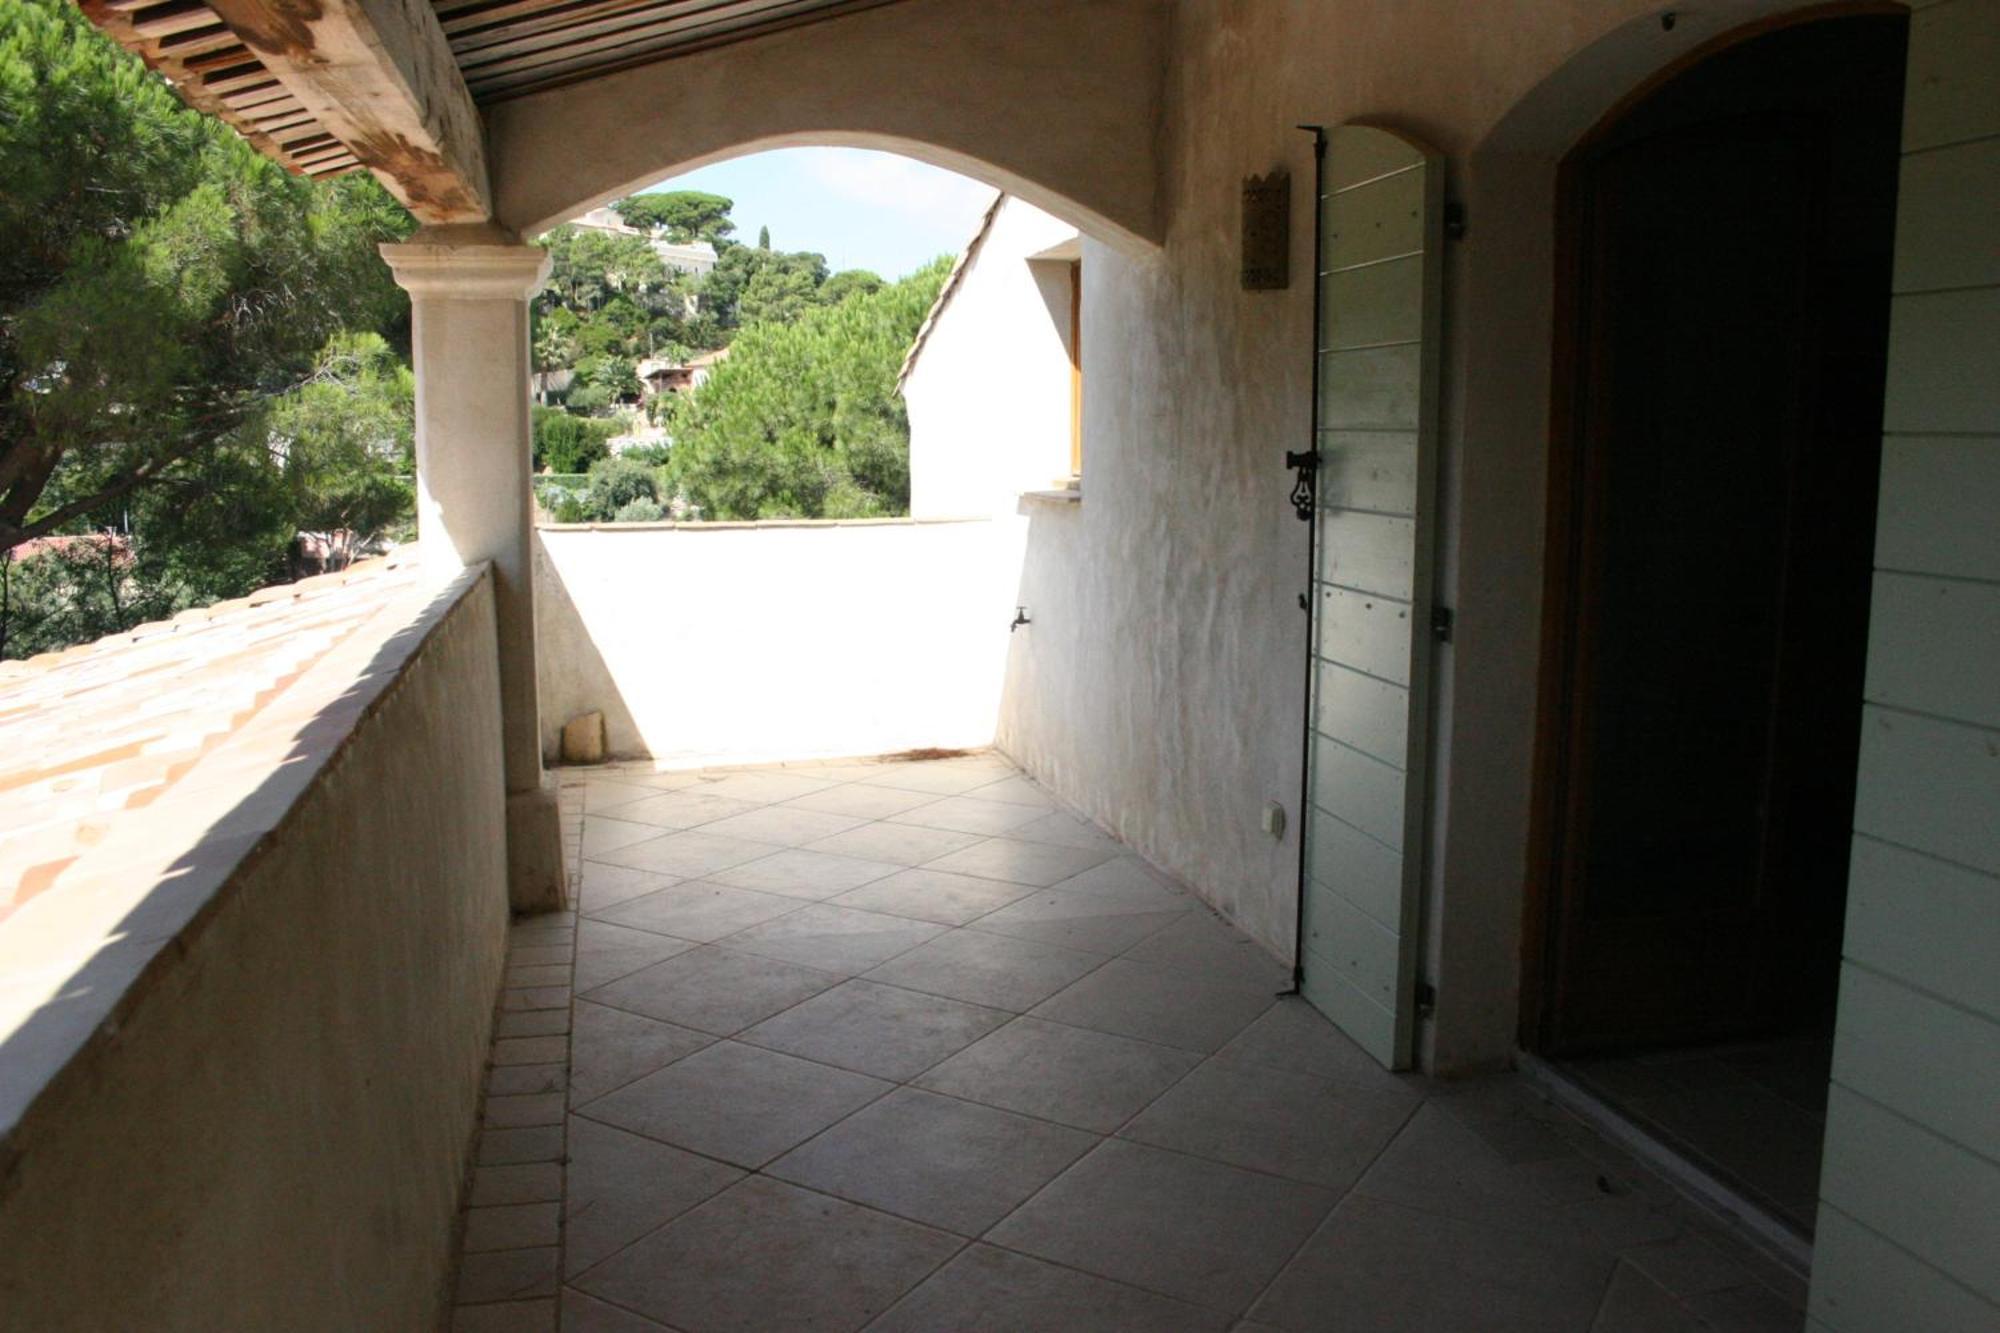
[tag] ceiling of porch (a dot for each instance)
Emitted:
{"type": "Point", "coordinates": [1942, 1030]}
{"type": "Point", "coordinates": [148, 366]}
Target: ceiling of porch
{"type": "Point", "coordinates": [224, 64]}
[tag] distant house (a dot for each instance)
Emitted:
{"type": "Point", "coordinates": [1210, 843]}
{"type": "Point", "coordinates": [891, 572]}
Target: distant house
{"type": "Point", "coordinates": [994, 381]}
{"type": "Point", "coordinates": [661, 376]}
{"type": "Point", "coordinates": [696, 257]}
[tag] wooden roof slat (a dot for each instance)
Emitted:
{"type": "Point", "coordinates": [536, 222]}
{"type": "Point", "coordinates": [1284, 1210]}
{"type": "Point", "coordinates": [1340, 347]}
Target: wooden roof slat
{"type": "Point", "coordinates": [500, 83]}
{"type": "Point", "coordinates": [615, 32]}
{"type": "Point", "coordinates": [268, 90]}
{"type": "Point", "coordinates": [175, 16]}
{"type": "Point", "coordinates": [520, 18]}
{"type": "Point", "coordinates": [193, 43]}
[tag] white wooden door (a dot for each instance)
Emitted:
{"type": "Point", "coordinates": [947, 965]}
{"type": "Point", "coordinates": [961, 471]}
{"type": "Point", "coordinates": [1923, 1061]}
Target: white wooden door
{"type": "Point", "coordinates": [1381, 219]}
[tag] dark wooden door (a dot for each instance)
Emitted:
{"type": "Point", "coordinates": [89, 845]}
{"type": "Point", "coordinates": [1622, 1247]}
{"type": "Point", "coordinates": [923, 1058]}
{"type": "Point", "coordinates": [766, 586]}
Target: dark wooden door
{"type": "Point", "coordinates": [1715, 492]}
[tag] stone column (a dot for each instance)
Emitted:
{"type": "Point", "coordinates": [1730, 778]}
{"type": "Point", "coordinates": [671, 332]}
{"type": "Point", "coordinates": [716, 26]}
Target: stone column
{"type": "Point", "coordinates": [469, 289]}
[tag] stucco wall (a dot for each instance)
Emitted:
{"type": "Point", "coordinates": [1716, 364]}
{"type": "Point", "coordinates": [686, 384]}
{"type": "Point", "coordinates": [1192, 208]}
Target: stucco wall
{"type": "Point", "coordinates": [989, 391]}
{"type": "Point", "coordinates": [271, 1130]}
{"type": "Point", "coordinates": [1161, 689]}
{"type": "Point", "coordinates": [1051, 100]}
{"type": "Point", "coordinates": [741, 643]}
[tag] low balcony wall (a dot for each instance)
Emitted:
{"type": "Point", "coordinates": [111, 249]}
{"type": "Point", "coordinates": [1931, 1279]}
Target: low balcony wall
{"type": "Point", "coordinates": [719, 643]}
{"type": "Point", "coordinates": [244, 1037]}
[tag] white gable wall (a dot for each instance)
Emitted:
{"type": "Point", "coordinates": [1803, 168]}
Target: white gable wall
{"type": "Point", "coordinates": [989, 393]}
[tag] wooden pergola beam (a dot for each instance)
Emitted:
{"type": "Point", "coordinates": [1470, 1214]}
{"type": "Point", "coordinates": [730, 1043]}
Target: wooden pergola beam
{"type": "Point", "coordinates": [380, 77]}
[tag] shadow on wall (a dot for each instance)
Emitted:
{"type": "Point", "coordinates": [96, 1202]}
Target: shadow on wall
{"type": "Point", "coordinates": [572, 673]}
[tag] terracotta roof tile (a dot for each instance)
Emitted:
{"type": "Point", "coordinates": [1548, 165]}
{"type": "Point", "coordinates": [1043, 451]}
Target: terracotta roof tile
{"type": "Point", "coordinates": [107, 727]}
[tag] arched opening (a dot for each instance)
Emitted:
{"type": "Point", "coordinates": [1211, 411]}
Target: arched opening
{"type": "Point", "coordinates": [1721, 316]}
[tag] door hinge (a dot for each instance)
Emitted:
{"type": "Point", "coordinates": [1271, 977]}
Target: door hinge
{"type": "Point", "coordinates": [1427, 999]}
{"type": "Point", "coordinates": [1306, 463]}
{"type": "Point", "coordinates": [1441, 623]}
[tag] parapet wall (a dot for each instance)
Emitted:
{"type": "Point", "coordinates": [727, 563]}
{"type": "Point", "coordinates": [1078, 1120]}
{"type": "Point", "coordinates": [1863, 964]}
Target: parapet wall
{"type": "Point", "coordinates": [251, 1103]}
{"type": "Point", "coordinates": [720, 643]}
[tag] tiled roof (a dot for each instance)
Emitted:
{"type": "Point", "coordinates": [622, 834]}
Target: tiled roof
{"type": "Point", "coordinates": [110, 726]}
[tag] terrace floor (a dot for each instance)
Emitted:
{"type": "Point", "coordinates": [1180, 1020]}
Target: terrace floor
{"type": "Point", "coordinates": [905, 1046]}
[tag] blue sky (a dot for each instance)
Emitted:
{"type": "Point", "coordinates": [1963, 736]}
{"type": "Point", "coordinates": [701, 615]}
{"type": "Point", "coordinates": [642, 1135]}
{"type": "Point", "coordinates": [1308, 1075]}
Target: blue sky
{"type": "Point", "coordinates": [861, 209]}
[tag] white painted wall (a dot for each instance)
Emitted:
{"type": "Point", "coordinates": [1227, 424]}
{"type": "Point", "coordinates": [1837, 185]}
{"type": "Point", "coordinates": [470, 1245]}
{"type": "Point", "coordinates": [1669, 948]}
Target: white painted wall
{"type": "Point", "coordinates": [749, 642]}
{"type": "Point", "coordinates": [989, 390]}
{"type": "Point", "coordinates": [1909, 1219]}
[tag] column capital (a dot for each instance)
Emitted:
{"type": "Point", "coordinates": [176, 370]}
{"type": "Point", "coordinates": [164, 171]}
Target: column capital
{"type": "Point", "coordinates": [475, 262]}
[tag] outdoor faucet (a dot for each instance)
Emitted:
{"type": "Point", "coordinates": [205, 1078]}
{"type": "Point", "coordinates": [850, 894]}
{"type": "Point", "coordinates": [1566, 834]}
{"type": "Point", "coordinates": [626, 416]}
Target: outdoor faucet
{"type": "Point", "coordinates": [1020, 619]}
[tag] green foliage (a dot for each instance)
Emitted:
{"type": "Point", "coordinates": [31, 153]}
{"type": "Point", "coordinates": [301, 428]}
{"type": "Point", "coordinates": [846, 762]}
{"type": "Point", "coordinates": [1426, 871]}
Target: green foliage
{"type": "Point", "coordinates": [639, 511]}
{"type": "Point", "coordinates": [161, 285]}
{"type": "Point", "coordinates": [803, 419]}
{"type": "Point", "coordinates": [346, 442]}
{"type": "Point", "coordinates": [684, 215]}
{"type": "Point", "coordinates": [564, 442]}
{"type": "Point", "coordinates": [618, 482]}
{"type": "Point", "coordinates": [848, 282]}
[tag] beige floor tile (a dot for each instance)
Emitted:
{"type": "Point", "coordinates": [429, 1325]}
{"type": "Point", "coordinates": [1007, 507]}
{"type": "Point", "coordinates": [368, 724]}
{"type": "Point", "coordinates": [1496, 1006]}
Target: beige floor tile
{"type": "Point", "coordinates": [1378, 1265]}
{"type": "Point", "coordinates": [678, 810]}
{"type": "Point", "coordinates": [606, 951]}
{"type": "Point", "coordinates": [699, 910]}
{"type": "Point", "coordinates": [736, 1103]}
{"type": "Point", "coordinates": [1017, 790]}
{"type": "Point", "coordinates": [947, 1163]}
{"type": "Point", "coordinates": [801, 873]}
{"type": "Point", "coordinates": [507, 1275]}
{"type": "Point", "coordinates": [1075, 1077]}
{"type": "Point", "coordinates": [1198, 1231]}
{"type": "Point", "coordinates": [530, 1182]}
{"type": "Point", "coordinates": [715, 990]}
{"type": "Point", "coordinates": [764, 1255]}
{"type": "Point", "coordinates": [938, 778]}
{"type": "Point", "coordinates": [767, 788]}
{"type": "Point", "coordinates": [1156, 1004]}
{"type": "Point", "coordinates": [587, 1314]}
{"type": "Point", "coordinates": [965, 814]}
{"type": "Point", "coordinates": [1069, 831]}
{"type": "Point", "coordinates": [622, 1186]}
{"type": "Point", "coordinates": [688, 855]}
{"type": "Point", "coordinates": [903, 844]}
{"type": "Point", "coordinates": [612, 1047]}
{"type": "Point", "coordinates": [992, 970]}
{"type": "Point", "coordinates": [539, 1108]}
{"type": "Point", "coordinates": [526, 1080]}
{"type": "Point", "coordinates": [1077, 921]}
{"type": "Point", "coordinates": [603, 834]}
{"type": "Point", "coordinates": [833, 939]}
{"type": "Point", "coordinates": [1635, 1303]}
{"type": "Point", "coordinates": [1291, 1125]}
{"type": "Point", "coordinates": [605, 885]}
{"type": "Point", "coordinates": [863, 801]}
{"type": "Point", "coordinates": [511, 1226]}
{"type": "Point", "coordinates": [510, 1147]}
{"type": "Point", "coordinates": [884, 1031]}
{"type": "Point", "coordinates": [988, 1290]}
{"type": "Point", "coordinates": [1293, 1035]}
{"type": "Point", "coordinates": [1038, 863]}
{"type": "Point", "coordinates": [551, 1049]}
{"type": "Point", "coordinates": [784, 825]}
{"type": "Point", "coordinates": [1202, 947]}
{"type": "Point", "coordinates": [508, 1317]}
{"type": "Point", "coordinates": [531, 1023]}
{"type": "Point", "coordinates": [934, 895]}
